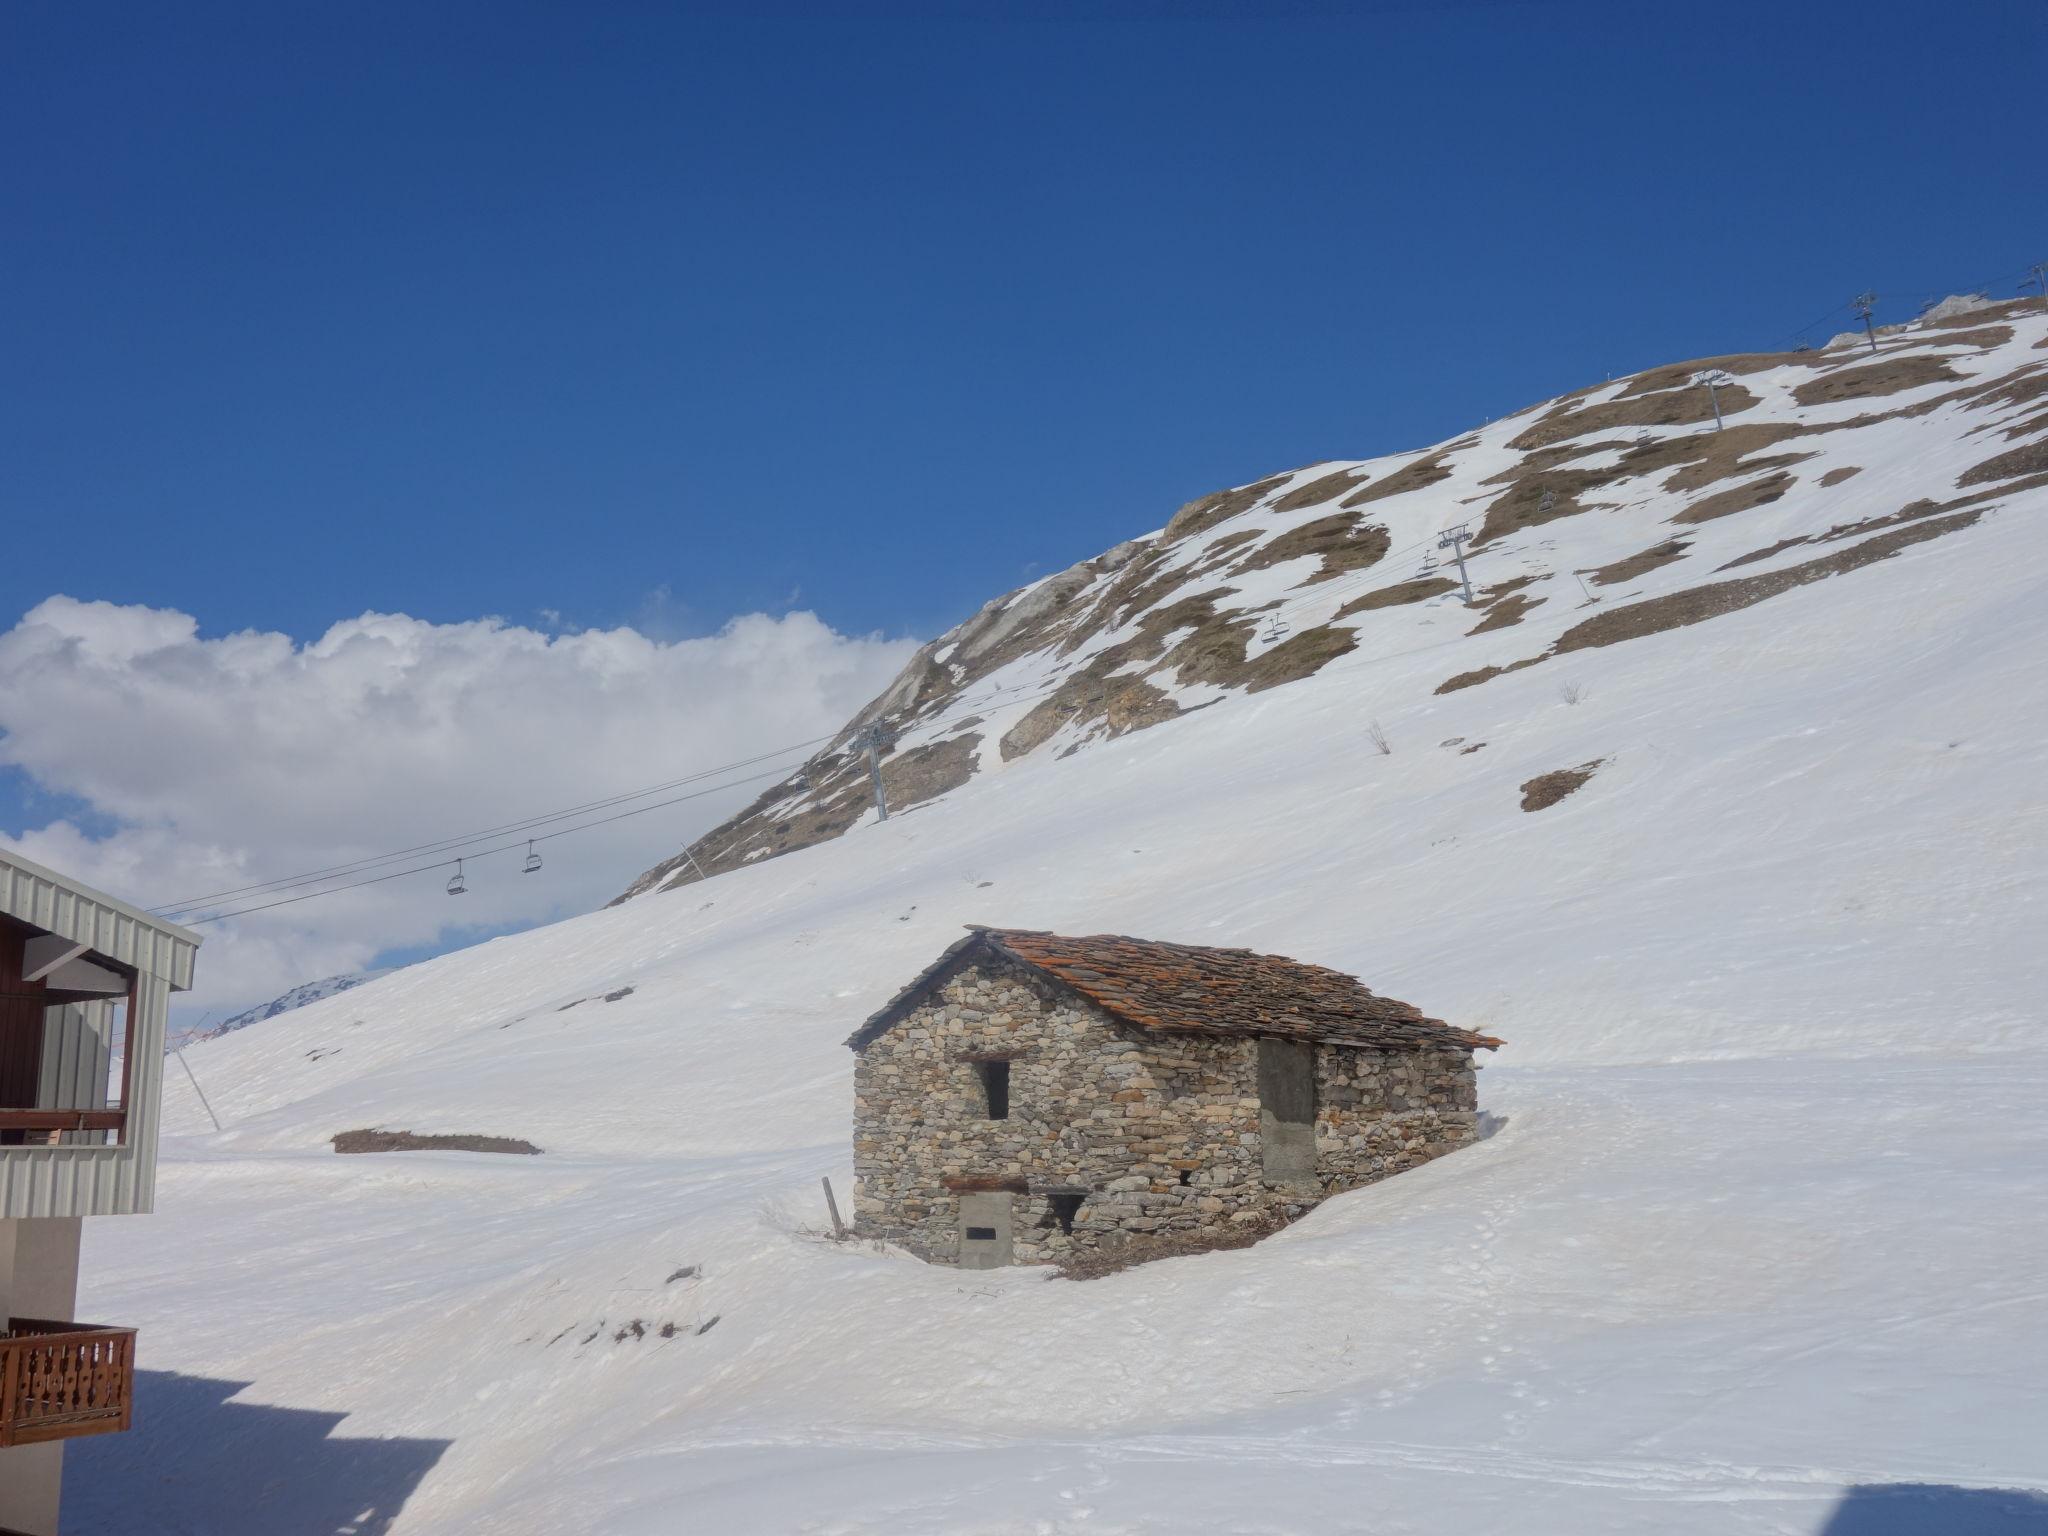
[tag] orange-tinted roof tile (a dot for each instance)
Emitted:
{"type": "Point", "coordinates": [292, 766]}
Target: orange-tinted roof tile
{"type": "Point", "coordinates": [1186, 987]}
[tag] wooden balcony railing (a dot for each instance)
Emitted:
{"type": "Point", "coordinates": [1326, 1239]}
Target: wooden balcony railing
{"type": "Point", "coordinates": [62, 1380]}
{"type": "Point", "coordinates": [48, 1127]}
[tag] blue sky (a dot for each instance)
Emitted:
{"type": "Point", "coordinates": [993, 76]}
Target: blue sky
{"type": "Point", "coordinates": [660, 313]}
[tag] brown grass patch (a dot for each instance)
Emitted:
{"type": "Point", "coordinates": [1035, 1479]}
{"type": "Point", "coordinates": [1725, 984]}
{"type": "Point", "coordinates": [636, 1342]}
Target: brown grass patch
{"type": "Point", "coordinates": [1339, 539]}
{"type": "Point", "coordinates": [1680, 375]}
{"type": "Point", "coordinates": [1508, 610]}
{"type": "Point", "coordinates": [1296, 657]}
{"type": "Point", "coordinates": [1546, 789]}
{"type": "Point", "coordinates": [1640, 564]}
{"type": "Point", "coordinates": [1888, 377]}
{"type": "Point", "coordinates": [2022, 387]}
{"type": "Point", "coordinates": [1480, 675]}
{"type": "Point", "coordinates": [1117, 704]}
{"type": "Point", "coordinates": [1718, 456]}
{"type": "Point", "coordinates": [1676, 610]}
{"type": "Point", "coordinates": [1738, 498]}
{"type": "Point", "coordinates": [1221, 506]}
{"type": "Point", "coordinates": [412, 1141]}
{"type": "Point", "coordinates": [1522, 505]}
{"type": "Point", "coordinates": [2031, 459]}
{"type": "Point", "coordinates": [1399, 595]}
{"type": "Point", "coordinates": [1664, 408]}
{"type": "Point", "coordinates": [1143, 1248]}
{"type": "Point", "coordinates": [1412, 476]}
{"type": "Point", "coordinates": [1835, 477]}
{"type": "Point", "coordinates": [1316, 492]}
{"type": "Point", "coordinates": [2007, 310]}
{"type": "Point", "coordinates": [1984, 338]}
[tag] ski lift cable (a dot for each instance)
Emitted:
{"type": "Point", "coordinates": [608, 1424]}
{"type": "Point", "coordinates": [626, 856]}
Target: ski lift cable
{"type": "Point", "coordinates": [399, 874]}
{"type": "Point", "coordinates": [215, 917]}
{"type": "Point", "coordinates": [449, 844]}
{"type": "Point", "coordinates": [1321, 594]}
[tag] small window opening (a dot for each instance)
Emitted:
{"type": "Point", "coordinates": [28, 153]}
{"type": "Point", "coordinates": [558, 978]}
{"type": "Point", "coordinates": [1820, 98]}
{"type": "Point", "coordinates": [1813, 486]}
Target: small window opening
{"type": "Point", "coordinates": [995, 1083]}
{"type": "Point", "coordinates": [981, 1234]}
{"type": "Point", "coordinates": [1187, 1177]}
{"type": "Point", "coordinates": [1066, 1205]}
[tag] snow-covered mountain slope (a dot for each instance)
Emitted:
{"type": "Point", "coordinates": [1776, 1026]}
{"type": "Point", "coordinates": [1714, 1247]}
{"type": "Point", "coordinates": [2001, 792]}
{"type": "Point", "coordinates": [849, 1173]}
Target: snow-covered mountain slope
{"type": "Point", "coordinates": [306, 992]}
{"type": "Point", "coordinates": [1757, 1240]}
{"type": "Point", "coordinates": [1829, 459]}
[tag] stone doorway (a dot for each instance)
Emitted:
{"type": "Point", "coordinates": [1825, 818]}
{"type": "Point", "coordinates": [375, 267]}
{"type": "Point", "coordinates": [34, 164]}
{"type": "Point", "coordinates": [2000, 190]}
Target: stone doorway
{"type": "Point", "coordinates": [1287, 1113]}
{"type": "Point", "coordinates": [985, 1235]}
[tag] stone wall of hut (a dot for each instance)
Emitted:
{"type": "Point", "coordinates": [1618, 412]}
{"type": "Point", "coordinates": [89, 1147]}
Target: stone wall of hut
{"type": "Point", "coordinates": [1155, 1133]}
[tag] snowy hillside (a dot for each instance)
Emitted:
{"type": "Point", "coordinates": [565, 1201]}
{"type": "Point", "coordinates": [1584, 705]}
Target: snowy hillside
{"type": "Point", "coordinates": [297, 997]}
{"type": "Point", "coordinates": [1616, 494]}
{"type": "Point", "coordinates": [1755, 1245]}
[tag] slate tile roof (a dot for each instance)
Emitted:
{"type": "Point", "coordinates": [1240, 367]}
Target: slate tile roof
{"type": "Point", "coordinates": [1186, 987]}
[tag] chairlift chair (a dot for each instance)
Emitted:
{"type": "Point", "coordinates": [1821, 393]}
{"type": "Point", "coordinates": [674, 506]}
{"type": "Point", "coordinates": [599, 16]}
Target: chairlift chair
{"type": "Point", "coordinates": [456, 884]}
{"type": "Point", "coordinates": [532, 859]}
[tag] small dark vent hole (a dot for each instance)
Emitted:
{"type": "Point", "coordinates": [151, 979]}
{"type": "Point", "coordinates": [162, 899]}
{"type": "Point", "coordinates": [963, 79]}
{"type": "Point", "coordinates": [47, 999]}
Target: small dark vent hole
{"type": "Point", "coordinates": [1066, 1205]}
{"type": "Point", "coordinates": [981, 1234]}
{"type": "Point", "coordinates": [995, 1083]}
{"type": "Point", "coordinates": [1187, 1176]}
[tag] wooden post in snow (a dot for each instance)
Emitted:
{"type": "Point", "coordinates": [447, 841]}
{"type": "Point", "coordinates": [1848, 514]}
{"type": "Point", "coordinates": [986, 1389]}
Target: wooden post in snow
{"type": "Point", "coordinates": [832, 1205]}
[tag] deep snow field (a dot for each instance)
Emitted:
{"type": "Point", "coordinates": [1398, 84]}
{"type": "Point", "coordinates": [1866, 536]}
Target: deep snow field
{"type": "Point", "coordinates": [1758, 1243]}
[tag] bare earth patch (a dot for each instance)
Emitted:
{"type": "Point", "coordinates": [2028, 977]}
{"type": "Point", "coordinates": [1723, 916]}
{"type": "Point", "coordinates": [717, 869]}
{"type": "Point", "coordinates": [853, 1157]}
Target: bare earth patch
{"type": "Point", "coordinates": [1737, 498]}
{"type": "Point", "coordinates": [1675, 610]}
{"type": "Point", "coordinates": [1664, 408]}
{"type": "Point", "coordinates": [1835, 477]}
{"type": "Point", "coordinates": [1656, 556]}
{"type": "Point", "coordinates": [1412, 476]}
{"type": "Point", "coordinates": [1339, 539]}
{"type": "Point", "coordinates": [412, 1141]}
{"type": "Point", "coordinates": [1143, 1250]}
{"type": "Point", "coordinates": [1509, 610]}
{"type": "Point", "coordinates": [1316, 492]}
{"type": "Point", "coordinates": [1399, 595]}
{"type": "Point", "coordinates": [2031, 459]}
{"type": "Point", "coordinates": [1884, 378]}
{"type": "Point", "coordinates": [1546, 789]}
{"type": "Point", "coordinates": [1221, 506]}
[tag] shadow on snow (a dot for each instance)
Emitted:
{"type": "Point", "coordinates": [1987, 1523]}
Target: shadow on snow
{"type": "Point", "coordinates": [196, 1462]}
{"type": "Point", "coordinates": [1938, 1509]}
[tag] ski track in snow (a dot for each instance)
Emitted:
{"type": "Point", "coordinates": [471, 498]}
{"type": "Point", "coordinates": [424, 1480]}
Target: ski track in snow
{"type": "Point", "coordinates": [1761, 1221]}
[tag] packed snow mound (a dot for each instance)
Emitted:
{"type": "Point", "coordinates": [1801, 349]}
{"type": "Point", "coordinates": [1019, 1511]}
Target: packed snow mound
{"type": "Point", "coordinates": [1738, 846]}
{"type": "Point", "coordinates": [1620, 492]}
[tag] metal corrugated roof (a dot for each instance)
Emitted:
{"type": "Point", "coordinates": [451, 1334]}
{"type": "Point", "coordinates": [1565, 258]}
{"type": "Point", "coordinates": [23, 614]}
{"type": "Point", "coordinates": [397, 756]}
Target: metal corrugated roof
{"type": "Point", "coordinates": [106, 925]}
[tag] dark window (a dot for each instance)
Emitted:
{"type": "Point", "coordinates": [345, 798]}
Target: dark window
{"type": "Point", "coordinates": [981, 1234]}
{"type": "Point", "coordinates": [1187, 1176]}
{"type": "Point", "coordinates": [1066, 1205]}
{"type": "Point", "coordinates": [995, 1082]}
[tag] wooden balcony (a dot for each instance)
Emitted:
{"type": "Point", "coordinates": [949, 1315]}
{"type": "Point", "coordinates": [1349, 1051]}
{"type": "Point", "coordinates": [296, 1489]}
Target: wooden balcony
{"type": "Point", "coordinates": [59, 1381]}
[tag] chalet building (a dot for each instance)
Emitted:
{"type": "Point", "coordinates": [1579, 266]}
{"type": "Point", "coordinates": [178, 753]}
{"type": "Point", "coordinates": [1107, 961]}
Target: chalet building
{"type": "Point", "coordinates": [85, 984]}
{"type": "Point", "coordinates": [1031, 1097]}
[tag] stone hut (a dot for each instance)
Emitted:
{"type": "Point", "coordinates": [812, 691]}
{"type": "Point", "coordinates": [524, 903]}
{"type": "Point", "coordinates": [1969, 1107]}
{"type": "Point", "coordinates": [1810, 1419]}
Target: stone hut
{"type": "Point", "coordinates": [1031, 1097]}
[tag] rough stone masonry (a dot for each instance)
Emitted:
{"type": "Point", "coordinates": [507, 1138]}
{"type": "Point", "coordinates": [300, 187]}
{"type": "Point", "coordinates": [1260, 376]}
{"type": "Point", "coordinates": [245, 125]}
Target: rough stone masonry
{"type": "Point", "coordinates": [1030, 1097]}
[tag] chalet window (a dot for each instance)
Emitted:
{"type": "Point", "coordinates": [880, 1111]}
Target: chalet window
{"type": "Point", "coordinates": [1066, 1205]}
{"type": "Point", "coordinates": [995, 1085]}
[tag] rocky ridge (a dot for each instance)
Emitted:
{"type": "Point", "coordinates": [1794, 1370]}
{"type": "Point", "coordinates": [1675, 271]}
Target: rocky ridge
{"type": "Point", "coordinates": [1593, 519]}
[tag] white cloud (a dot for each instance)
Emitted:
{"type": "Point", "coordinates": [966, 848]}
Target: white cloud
{"type": "Point", "coordinates": [227, 761]}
